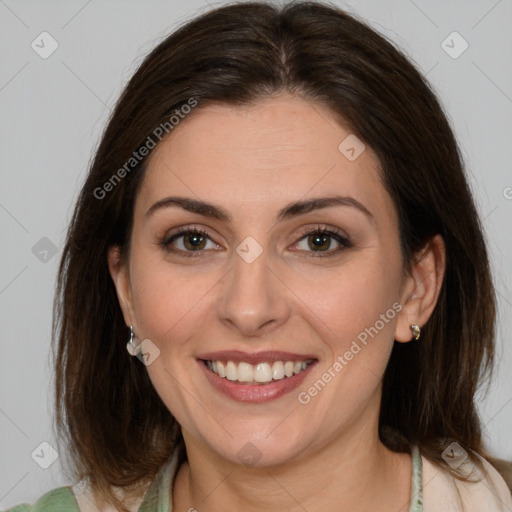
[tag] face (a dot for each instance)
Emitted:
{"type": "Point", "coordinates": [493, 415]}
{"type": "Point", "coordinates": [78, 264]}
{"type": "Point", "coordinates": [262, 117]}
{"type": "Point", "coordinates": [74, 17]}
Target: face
{"type": "Point", "coordinates": [238, 257]}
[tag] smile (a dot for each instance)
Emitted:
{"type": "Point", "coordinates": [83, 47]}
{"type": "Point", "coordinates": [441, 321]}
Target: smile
{"type": "Point", "coordinates": [255, 377]}
{"type": "Point", "coordinates": [260, 373]}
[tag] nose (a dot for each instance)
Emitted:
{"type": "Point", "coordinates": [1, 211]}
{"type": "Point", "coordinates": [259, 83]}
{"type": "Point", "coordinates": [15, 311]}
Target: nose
{"type": "Point", "coordinates": [254, 301]}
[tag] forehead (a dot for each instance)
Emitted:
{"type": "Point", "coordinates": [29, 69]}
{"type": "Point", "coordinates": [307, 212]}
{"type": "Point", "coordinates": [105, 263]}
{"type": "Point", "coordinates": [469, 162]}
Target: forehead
{"type": "Point", "coordinates": [274, 151]}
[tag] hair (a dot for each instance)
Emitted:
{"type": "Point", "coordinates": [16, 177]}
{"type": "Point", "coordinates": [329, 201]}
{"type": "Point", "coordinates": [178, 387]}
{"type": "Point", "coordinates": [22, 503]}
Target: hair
{"type": "Point", "coordinates": [117, 430]}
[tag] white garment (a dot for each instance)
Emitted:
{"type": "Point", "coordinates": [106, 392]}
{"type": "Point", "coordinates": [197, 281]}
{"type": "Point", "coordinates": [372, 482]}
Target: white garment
{"type": "Point", "coordinates": [444, 493]}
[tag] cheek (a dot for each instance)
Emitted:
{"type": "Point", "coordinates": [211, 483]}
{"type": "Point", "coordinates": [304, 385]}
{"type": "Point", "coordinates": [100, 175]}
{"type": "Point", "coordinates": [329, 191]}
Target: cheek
{"type": "Point", "coordinates": [354, 312]}
{"type": "Point", "coordinates": [168, 301]}
{"type": "Point", "coordinates": [347, 301]}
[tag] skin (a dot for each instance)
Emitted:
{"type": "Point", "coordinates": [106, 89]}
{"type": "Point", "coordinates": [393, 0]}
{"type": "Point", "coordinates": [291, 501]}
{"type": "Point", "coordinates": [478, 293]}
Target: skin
{"type": "Point", "coordinates": [252, 161]}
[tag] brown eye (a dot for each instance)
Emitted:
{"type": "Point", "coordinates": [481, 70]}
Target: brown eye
{"type": "Point", "coordinates": [188, 241]}
{"type": "Point", "coordinates": [321, 240]}
{"type": "Point", "coordinates": [194, 241]}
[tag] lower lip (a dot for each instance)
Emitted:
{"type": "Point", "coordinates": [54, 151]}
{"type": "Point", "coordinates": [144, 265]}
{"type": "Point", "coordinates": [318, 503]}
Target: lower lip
{"type": "Point", "coordinates": [255, 393]}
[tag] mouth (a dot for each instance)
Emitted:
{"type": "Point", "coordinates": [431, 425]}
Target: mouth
{"type": "Point", "coordinates": [257, 377]}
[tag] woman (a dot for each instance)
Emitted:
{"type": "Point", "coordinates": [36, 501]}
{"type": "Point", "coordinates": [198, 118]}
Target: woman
{"type": "Point", "coordinates": [278, 223]}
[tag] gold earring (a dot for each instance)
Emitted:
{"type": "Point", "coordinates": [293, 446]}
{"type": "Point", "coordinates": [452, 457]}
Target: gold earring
{"type": "Point", "coordinates": [416, 331]}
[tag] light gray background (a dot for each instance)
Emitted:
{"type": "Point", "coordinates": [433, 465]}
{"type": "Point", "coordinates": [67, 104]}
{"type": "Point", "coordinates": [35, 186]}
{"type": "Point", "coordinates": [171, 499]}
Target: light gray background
{"type": "Point", "coordinates": [53, 111]}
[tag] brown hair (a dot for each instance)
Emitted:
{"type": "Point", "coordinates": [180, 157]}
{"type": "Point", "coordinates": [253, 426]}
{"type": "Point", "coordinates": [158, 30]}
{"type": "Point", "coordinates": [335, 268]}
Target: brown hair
{"type": "Point", "coordinates": [117, 429]}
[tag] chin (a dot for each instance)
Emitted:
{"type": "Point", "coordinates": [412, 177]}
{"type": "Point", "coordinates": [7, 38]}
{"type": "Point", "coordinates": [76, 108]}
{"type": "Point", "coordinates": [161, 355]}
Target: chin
{"type": "Point", "coordinates": [252, 449]}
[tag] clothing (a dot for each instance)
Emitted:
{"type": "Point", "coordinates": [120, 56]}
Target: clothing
{"type": "Point", "coordinates": [432, 490]}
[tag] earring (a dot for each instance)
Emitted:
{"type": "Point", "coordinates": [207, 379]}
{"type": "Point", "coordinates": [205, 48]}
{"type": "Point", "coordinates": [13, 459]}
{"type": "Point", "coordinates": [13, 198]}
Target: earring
{"type": "Point", "coordinates": [416, 331]}
{"type": "Point", "coordinates": [130, 346]}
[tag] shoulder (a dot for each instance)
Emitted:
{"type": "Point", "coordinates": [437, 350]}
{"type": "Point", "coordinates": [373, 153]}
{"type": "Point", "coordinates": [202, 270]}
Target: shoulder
{"type": "Point", "coordinates": [442, 491]}
{"type": "Point", "coordinates": [61, 499]}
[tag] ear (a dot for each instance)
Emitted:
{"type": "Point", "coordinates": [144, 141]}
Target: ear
{"type": "Point", "coordinates": [421, 288]}
{"type": "Point", "coordinates": [119, 271]}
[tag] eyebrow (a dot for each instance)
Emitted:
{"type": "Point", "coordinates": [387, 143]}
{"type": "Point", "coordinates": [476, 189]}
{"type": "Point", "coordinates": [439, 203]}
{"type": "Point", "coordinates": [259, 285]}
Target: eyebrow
{"type": "Point", "coordinates": [289, 211]}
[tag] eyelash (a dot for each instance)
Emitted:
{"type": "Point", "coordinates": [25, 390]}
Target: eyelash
{"type": "Point", "coordinates": [344, 242]}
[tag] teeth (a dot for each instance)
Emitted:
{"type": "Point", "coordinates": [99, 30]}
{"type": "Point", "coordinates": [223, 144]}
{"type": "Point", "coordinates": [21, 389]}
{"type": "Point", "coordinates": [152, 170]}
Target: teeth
{"type": "Point", "coordinates": [278, 370]}
{"type": "Point", "coordinates": [261, 372]}
{"type": "Point", "coordinates": [245, 373]}
{"type": "Point", "coordinates": [231, 371]}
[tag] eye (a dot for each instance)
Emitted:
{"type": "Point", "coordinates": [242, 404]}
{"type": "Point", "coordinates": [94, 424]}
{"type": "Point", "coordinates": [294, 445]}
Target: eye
{"type": "Point", "coordinates": [188, 241]}
{"type": "Point", "coordinates": [321, 240]}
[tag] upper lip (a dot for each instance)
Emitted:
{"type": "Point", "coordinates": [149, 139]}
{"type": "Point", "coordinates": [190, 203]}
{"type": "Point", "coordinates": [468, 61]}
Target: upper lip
{"type": "Point", "coordinates": [237, 356]}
